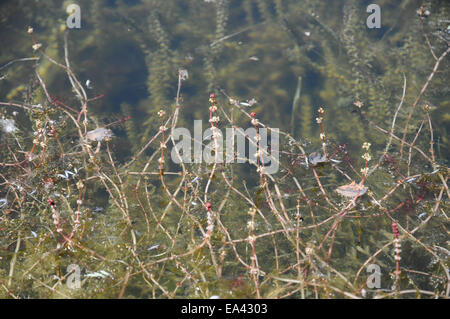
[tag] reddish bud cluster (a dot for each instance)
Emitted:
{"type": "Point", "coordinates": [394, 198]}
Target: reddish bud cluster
{"type": "Point", "coordinates": [212, 99]}
{"type": "Point", "coordinates": [208, 206]}
{"type": "Point", "coordinates": [253, 114]}
{"type": "Point", "coordinates": [51, 202]}
{"type": "Point", "coordinates": [395, 230]}
{"type": "Point", "coordinates": [51, 131]}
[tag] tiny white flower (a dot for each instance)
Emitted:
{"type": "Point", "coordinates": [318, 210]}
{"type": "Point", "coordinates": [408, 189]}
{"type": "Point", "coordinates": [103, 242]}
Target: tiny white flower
{"type": "Point", "coordinates": [366, 156]}
{"type": "Point", "coordinates": [183, 74]}
{"type": "Point", "coordinates": [36, 46]}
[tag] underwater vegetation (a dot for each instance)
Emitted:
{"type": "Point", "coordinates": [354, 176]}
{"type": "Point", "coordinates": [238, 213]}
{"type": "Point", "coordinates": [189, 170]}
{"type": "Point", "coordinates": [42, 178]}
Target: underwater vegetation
{"type": "Point", "coordinates": [89, 189]}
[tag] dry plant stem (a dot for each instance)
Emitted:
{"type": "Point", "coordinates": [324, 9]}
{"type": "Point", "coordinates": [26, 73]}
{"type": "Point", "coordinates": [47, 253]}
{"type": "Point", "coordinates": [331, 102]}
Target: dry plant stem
{"type": "Point", "coordinates": [233, 245]}
{"type": "Point", "coordinates": [409, 291]}
{"type": "Point", "coordinates": [388, 145]}
{"type": "Point", "coordinates": [9, 292]}
{"type": "Point", "coordinates": [342, 214]}
{"type": "Point", "coordinates": [102, 179]}
{"type": "Point", "coordinates": [310, 204]}
{"type": "Point", "coordinates": [427, 39]}
{"type": "Point", "coordinates": [239, 107]}
{"type": "Point", "coordinates": [254, 270]}
{"type": "Point", "coordinates": [162, 147]}
{"type": "Point", "coordinates": [16, 105]}
{"type": "Point", "coordinates": [72, 78]}
{"type": "Point", "coordinates": [247, 199]}
{"type": "Point", "coordinates": [263, 180]}
{"type": "Point", "coordinates": [331, 269]}
{"type": "Point", "coordinates": [339, 218]}
{"type": "Point", "coordinates": [297, 252]}
{"type": "Point", "coordinates": [123, 207]}
{"type": "Point", "coordinates": [173, 125]}
{"type": "Point", "coordinates": [410, 235]}
{"type": "Point", "coordinates": [410, 147]}
{"type": "Point", "coordinates": [125, 282]}
{"type": "Point", "coordinates": [37, 280]}
{"type": "Point", "coordinates": [322, 190]}
{"type": "Point", "coordinates": [251, 141]}
{"type": "Point", "coordinates": [162, 175]}
{"type": "Point", "coordinates": [213, 119]}
{"type": "Point", "coordinates": [401, 141]}
{"type": "Point", "coordinates": [187, 253]}
{"type": "Point", "coordinates": [144, 212]}
{"type": "Point", "coordinates": [397, 247]}
{"type": "Point", "coordinates": [81, 93]}
{"type": "Point", "coordinates": [179, 233]}
{"type": "Point", "coordinates": [14, 259]}
{"type": "Point", "coordinates": [133, 159]}
{"type": "Point", "coordinates": [442, 262]}
{"type": "Point", "coordinates": [17, 60]}
{"type": "Point", "coordinates": [431, 141]}
{"type": "Point", "coordinates": [264, 183]}
{"type": "Point", "coordinates": [430, 77]}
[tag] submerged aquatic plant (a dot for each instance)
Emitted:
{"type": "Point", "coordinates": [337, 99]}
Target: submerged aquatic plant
{"type": "Point", "coordinates": [136, 224]}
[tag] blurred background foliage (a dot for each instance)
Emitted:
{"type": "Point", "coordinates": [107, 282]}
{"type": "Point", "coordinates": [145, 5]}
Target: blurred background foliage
{"type": "Point", "coordinates": [131, 52]}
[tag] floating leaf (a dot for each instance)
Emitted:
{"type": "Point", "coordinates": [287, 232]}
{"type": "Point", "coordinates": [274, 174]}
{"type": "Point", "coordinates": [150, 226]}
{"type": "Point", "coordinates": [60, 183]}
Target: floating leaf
{"type": "Point", "coordinates": [99, 134]}
{"type": "Point", "coordinates": [351, 190]}
{"type": "Point", "coordinates": [316, 158]}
